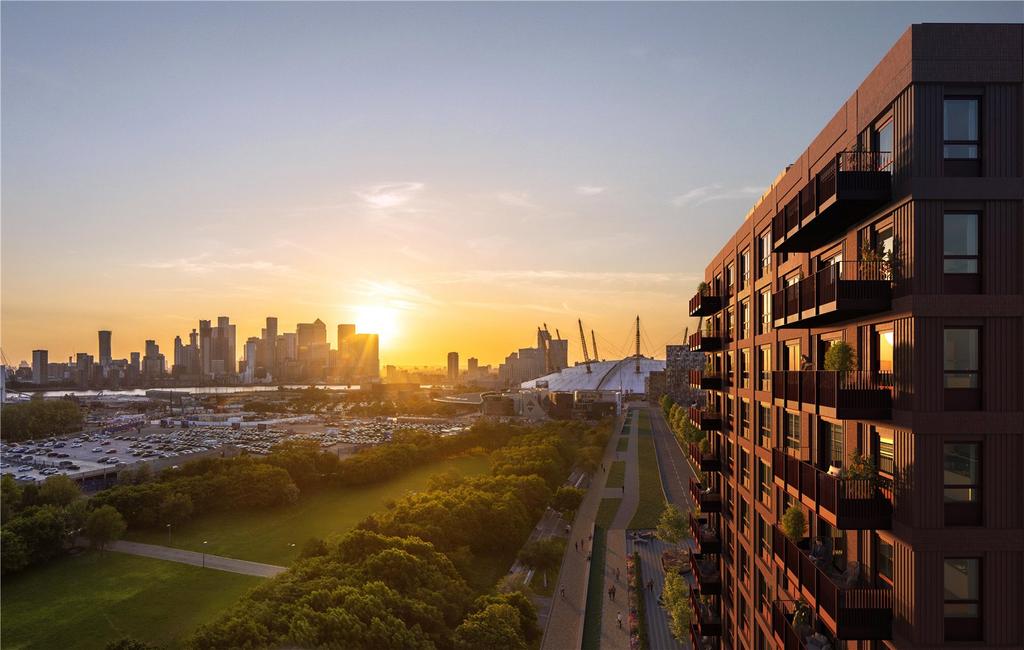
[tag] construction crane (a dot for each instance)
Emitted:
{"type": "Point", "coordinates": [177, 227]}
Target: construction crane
{"type": "Point", "coordinates": [594, 339]}
{"type": "Point", "coordinates": [583, 341]}
{"type": "Point", "coordinates": [558, 335]}
{"type": "Point", "coordinates": [638, 344]}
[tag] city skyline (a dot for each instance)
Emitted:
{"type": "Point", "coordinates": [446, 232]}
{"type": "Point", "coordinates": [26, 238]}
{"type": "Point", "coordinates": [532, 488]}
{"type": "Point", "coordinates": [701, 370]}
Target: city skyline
{"type": "Point", "coordinates": [342, 176]}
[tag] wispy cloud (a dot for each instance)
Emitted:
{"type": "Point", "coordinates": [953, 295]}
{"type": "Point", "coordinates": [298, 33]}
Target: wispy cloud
{"type": "Point", "coordinates": [393, 294]}
{"type": "Point", "coordinates": [590, 190]}
{"type": "Point", "coordinates": [389, 195]}
{"type": "Point", "coordinates": [206, 263]}
{"type": "Point", "coordinates": [548, 276]}
{"type": "Point", "coordinates": [517, 200]}
{"type": "Point", "coordinates": [715, 192]}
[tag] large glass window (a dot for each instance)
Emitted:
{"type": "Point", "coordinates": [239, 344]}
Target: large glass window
{"type": "Point", "coordinates": [960, 242]}
{"type": "Point", "coordinates": [765, 367]}
{"type": "Point", "coordinates": [884, 558]}
{"type": "Point", "coordinates": [833, 435]}
{"type": "Point", "coordinates": [764, 323]}
{"type": "Point", "coordinates": [764, 482]}
{"type": "Point", "coordinates": [961, 580]}
{"type": "Point", "coordinates": [765, 252]}
{"type": "Point", "coordinates": [886, 451]}
{"type": "Point", "coordinates": [744, 319]}
{"type": "Point", "coordinates": [744, 268]}
{"type": "Point", "coordinates": [791, 427]}
{"type": "Point", "coordinates": [884, 145]}
{"type": "Point", "coordinates": [960, 127]}
{"type": "Point", "coordinates": [764, 425]}
{"type": "Point", "coordinates": [745, 368]}
{"type": "Point", "coordinates": [961, 364]}
{"type": "Point", "coordinates": [961, 472]}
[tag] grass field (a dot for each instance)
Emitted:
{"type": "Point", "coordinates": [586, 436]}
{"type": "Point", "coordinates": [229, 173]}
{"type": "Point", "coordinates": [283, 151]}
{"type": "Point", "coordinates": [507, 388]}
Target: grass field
{"type": "Point", "coordinates": [268, 535]}
{"type": "Point", "coordinates": [617, 474]}
{"type": "Point", "coordinates": [89, 600]}
{"type": "Point", "coordinates": [622, 444]}
{"type": "Point", "coordinates": [606, 512]}
{"type": "Point", "coordinates": [595, 590]}
{"type": "Point", "coordinates": [652, 496]}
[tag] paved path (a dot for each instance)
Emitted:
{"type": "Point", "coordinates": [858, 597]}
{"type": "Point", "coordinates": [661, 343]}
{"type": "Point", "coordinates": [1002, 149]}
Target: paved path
{"type": "Point", "coordinates": [675, 468]}
{"type": "Point", "coordinates": [208, 561]}
{"type": "Point", "coordinates": [564, 627]}
{"type": "Point", "coordinates": [659, 633]}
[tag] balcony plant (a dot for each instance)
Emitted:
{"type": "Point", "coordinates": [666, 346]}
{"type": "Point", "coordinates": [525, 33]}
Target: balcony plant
{"type": "Point", "coordinates": [841, 357]}
{"type": "Point", "coordinates": [861, 467]}
{"type": "Point", "coordinates": [794, 523]}
{"type": "Point", "coordinates": [702, 288]}
{"type": "Point", "coordinates": [802, 618]}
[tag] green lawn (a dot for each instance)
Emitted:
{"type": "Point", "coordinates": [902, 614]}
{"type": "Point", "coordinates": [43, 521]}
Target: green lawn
{"type": "Point", "coordinates": [595, 591]}
{"type": "Point", "coordinates": [606, 512]}
{"type": "Point", "coordinates": [652, 497]}
{"type": "Point", "coordinates": [617, 474]}
{"type": "Point", "coordinates": [89, 600]}
{"type": "Point", "coordinates": [267, 535]}
{"type": "Point", "coordinates": [622, 444]}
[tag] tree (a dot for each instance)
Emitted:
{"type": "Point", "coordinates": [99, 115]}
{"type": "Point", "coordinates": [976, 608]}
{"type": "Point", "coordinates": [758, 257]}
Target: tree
{"type": "Point", "coordinates": [495, 626]}
{"type": "Point", "coordinates": [129, 643]}
{"type": "Point", "coordinates": [666, 404]}
{"type": "Point", "coordinates": [567, 498]}
{"type": "Point", "coordinates": [672, 526]}
{"type": "Point", "coordinates": [675, 598]}
{"type": "Point", "coordinates": [794, 523]}
{"type": "Point", "coordinates": [840, 357]}
{"type": "Point", "coordinates": [58, 491]}
{"type": "Point", "coordinates": [543, 554]}
{"type": "Point", "coordinates": [10, 497]}
{"type": "Point", "coordinates": [175, 508]}
{"type": "Point", "coordinates": [14, 554]}
{"type": "Point", "coordinates": [104, 525]}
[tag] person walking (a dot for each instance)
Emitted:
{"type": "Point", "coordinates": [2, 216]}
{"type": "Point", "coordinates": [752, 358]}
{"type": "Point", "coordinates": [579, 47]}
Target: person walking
{"type": "Point", "coordinates": [618, 617]}
{"type": "Point", "coordinates": [563, 591]}
{"type": "Point", "coordinates": [623, 489]}
{"type": "Point", "coordinates": [650, 585]}
{"type": "Point", "coordinates": [614, 591]}
{"type": "Point", "coordinates": [611, 593]}
{"type": "Point", "coordinates": [616, 573]}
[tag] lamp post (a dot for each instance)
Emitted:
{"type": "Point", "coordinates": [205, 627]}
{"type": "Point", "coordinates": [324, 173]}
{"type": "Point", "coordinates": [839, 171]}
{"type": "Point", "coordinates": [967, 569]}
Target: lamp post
{"type": "Point", "coordinates": [204, 553]}
{"type": "Point", "coordinates": [168, 534]}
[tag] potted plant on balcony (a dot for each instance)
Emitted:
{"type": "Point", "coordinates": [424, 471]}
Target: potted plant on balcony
{"type": "Point", "coordinates": [702, 288]}
{"type": "Point", "coordinates": [802, 618]}
{"type": "Point", "coordinates": [841, 357]}
{"type": "Point", "coordinates": [861, 467]}
{"type": "Point", "coordinates": [794, 523]}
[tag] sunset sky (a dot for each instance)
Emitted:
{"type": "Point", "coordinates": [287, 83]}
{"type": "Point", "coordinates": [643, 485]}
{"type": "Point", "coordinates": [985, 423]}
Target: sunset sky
{"type": "Point", "coordinates": [451, 174]}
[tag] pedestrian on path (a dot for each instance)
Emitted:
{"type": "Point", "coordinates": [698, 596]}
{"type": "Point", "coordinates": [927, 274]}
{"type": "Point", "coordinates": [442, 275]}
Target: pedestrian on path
{"type": "Point", "coordinates": [568, 529]}
{"type": "Point", "coordinates": [576, 545]}
{"type": "Point", "coordinates": [616, 573]}
{"type": "Point", "coordinates": [611, 594]}
{"type": "Point", "coordinates": [650, 585]}
{"type": "Point", "coordinates": [623, 489]}
{"type": "Point", "coordinates": [614, 591]}
{"type": "Point", "coordinates": [563, 591]}
{"type": "Point", "coordinates": [618, 617]}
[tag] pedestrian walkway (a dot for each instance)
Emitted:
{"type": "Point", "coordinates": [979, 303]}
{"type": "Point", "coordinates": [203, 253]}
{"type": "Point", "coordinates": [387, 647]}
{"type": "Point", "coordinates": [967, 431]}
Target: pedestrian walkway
{"type": "Point", "coordinates": [658, 630]}
{"type": "Point", "coordinates": [205, 560]}
{"type": "Point", "coordinates": [564, 629]}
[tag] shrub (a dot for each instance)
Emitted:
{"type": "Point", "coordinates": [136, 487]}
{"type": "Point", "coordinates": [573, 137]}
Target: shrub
{"type": "Point", "coordinates": [794, 523]}
{"type": "Point", "coordinates": [840, 357]}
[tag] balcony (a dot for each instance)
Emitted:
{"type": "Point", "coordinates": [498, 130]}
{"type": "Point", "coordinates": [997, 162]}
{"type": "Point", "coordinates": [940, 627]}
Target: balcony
{"type": "Point", "coordinates": [704, 304]}
{"type": "Point", "coordinates": [791, 633]}
{"type": "Point", "coordinates": [706, 501]}
{"type": "Point", "coordinates": [705, 420]}
{"type": "Point", "coordinates": [705, 380]}
{"type": "Point", "coordinates": [710, 341]}
{"type": "Point", "coordinates": [708, 461]}
{"type": "Point", "coordinates": [852, 186]}
{"type": "Point", "coordinates": [856, 504]}
{"type": "Point", "coordinates": [705, 570]}
{"type": "Point", "coordinates": [853, 395]}
{"type": "Point", "coordinates": [698, 642]}
{"type": "Point", "coordinates": [705, 537]}
{"type": "Point", "coordinates": [838, 292]}
{"type": "Point", "coordinates": [709, 623]}
{"type": "Point", "coordinates": [849, 607]}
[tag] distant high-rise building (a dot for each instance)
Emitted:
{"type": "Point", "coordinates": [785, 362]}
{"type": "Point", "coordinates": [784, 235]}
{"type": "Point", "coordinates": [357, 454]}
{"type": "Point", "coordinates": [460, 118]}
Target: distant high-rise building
{"type": "Point", "coordinates": [205, 346]}
{"type": "Point", "coordinates": [453, 366]}
{"type": "Point", "coordinates": [364, 356]}
{"type": "Point", "coordinates": [40, 366]}
{"type": "Point", "coordinates": [268, 346]}
{"type": "Point", "coordinates": [472, 364]}
{"type": "Point", "coordinates": [251, 355]}
{"type": "Point", "coordinates": [153, 363]}
{"type": "Point", "coordinates": [83, 368]}
{"type": "Point", "coordinates": [345, 330]}
{"type": "Point", "coordinates": [135, 365]}
{"type": "Point", "coordinates": [105, 355]}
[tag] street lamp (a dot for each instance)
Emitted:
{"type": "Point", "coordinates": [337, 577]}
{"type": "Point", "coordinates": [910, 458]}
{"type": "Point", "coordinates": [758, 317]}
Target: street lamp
{"type": "Point", "coordinates": [168, 534]}
{"type": "Point", "coordinates": [204, 553]}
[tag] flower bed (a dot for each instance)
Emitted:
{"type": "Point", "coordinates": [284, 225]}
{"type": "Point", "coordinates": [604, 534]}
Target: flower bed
{"type": "Point", "coordinates": [637, 607]}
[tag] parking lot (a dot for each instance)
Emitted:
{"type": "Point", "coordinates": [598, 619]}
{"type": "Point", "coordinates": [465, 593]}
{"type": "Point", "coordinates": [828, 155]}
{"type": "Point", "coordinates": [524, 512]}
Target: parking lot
{"type": "Point", "coordinates": [170, 443]}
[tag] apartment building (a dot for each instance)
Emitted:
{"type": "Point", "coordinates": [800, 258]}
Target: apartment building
{"type": "Point", "coordinates": [863, 333]}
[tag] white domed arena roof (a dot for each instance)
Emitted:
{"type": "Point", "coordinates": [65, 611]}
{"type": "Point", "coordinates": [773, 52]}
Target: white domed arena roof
{"type": "Point", "coordinates": [603, 375]}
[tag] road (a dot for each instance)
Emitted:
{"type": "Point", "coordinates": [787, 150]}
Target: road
{"type": "Point", "coordinates": [675, 469]}
{"type": "Point", "coordinates": [218, 562]}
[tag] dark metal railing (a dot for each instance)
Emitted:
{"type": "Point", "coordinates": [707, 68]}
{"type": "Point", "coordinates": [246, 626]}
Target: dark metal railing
{"type": "Point", "coordinates": [859, 612]}
{"type": "Point", "coordinates": [868, 389]}
{"type": "Point", "coordinates": [782, 625]}
{"type": "Point", "coordinates": [708, 339]}
{"type": "Point", "coordinates": [705, 304]}
{"type": "Point", "coordinates": [854, 280]}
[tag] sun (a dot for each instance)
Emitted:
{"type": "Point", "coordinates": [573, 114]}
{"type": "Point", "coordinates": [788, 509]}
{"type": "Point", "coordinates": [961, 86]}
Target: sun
{"type": "Point", "coordinates": [378, 319]}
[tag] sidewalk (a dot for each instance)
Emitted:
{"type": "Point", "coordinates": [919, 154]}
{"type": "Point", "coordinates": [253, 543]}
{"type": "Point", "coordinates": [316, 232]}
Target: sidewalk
{"type": "Point", "coordinates": [565, 621]}
{"type": "Point", "coordinates": [205, 560]}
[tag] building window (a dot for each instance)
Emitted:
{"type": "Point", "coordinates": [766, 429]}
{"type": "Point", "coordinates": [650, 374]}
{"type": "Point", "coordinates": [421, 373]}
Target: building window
{"type": "Point", "coordinates": [764, 323]}
{"type": "Point", "coordinates": [884, 144]}
{"type": "Point", "coordinates": [730, 279]}
{"type": "Point", "coordinates": [962, 599]}
{"type": "Point", "coordinates": [886, 451]}
{"type": "Point", "coordinates": [961, 357]}
{"type": "Point", "coordinates": [960, 128]}
{"type": "Point", "coordinates": [765, 252]}
{"type": "Point", "coordinates": [764, 538]}
{"type": "Point", "coordinates": [745, 368]}
{"type": "Point", "coordinates": [744, 469]}
{"type": "Point", "coordinates": [765, 367]}
{"type": "Point", "coordinates": [833, 433]}
{"type": "Point", "coordinates": [764, 425]}
{"type": "Point", "coordinates": [729, 412]}
{"type": "Point", "coordinates": [729, 356]}
{"type": "Point", "coordinates": [764, 483]}
{"type": "Point", "coordinates": [730, 323]}
{"type": "Point", "coordinates": [961, 491]}
{"type": "Point", "coordinates": [744, 269]}
{"type": "Point", "coordinates": [960, 242]}
{"type": "Point", "coordinates": [884, 559]}
{"type": "Point", "coordinates": [744, 319]}
{"type": "Point", "coordinates": [791, 430]}
{"type": "Point", "coordinates": [744, 516]}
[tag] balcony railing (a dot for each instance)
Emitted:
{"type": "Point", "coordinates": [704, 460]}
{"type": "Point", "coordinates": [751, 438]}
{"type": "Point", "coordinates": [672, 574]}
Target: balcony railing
{"type": "Point", "coordinates": [705, 379]}
{"type": "Point", "coordinates": [707, 341]}
{"type": "Point", "coordinates": [702, 642]}
{"type": "Point", "coordinates": [791, 634]}
{"type": "Point", "coordinates": [705, 570]}
{"type": "Point", "coordinates": [849, 188]}
{"type": "Point", "coordinates": [709, 622]}
{"type": "Point", "coordinates": [852, 395]}
{"type": "Point", "coordinates": [705, 420]}
{"type": "Point", "coordinates": [851, 610]}
{"type": "Point", "coordinates": [708, 461]}
{"type": "Point", "coordinates": [707, 501]}
{"type": "Point", "coordinates": [857, 504]}
{"type": "Point", "coordinates": [705, 537]}
{"type": "Point", "coordinates": [705, 304]}
{"type": "Point", "coordinates": [837, 292]}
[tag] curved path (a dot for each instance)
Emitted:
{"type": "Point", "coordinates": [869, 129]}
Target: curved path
{"type": "Point", "coordinates": [218, 562]}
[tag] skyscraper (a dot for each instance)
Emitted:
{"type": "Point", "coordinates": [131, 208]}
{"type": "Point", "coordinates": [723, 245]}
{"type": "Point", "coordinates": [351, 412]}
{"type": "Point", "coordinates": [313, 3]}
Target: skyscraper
{"type": "Point", "coordinates": [269, 345]}
{"type": "Point", "coordinates": [453, 366]}
{"type": "Point", "coordinates": [472, 364]}
{"type": "Point", "coordinates": [105, 355]}
{"type": "Point", "coordinates": [40, 366]}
